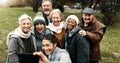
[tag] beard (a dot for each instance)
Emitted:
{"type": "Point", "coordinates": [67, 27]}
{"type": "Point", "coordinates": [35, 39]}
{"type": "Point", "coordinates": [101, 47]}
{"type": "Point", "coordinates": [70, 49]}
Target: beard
{"type": "Point", "coordinates": [47, 12]}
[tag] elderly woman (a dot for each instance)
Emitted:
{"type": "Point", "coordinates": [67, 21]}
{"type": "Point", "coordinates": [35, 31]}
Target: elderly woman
{"type": "Point", "coordinates": [57, 25]}
{"type": "Point", "coordinates": [20, 40]}
{"type": "Point", "coordinates": [74, 43]}
{"type": "Point", "coordinates": [54, 53]}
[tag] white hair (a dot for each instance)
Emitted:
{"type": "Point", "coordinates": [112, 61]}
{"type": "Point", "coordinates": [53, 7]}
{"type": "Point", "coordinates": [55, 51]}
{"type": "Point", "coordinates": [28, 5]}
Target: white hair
{"type": "Point", "coordinates": [24, 16]}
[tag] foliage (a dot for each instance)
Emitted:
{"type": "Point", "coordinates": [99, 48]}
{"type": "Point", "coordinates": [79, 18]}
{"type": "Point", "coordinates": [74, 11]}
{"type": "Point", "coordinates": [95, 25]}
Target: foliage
{"type": "Point", "coordinates": [110, 8]}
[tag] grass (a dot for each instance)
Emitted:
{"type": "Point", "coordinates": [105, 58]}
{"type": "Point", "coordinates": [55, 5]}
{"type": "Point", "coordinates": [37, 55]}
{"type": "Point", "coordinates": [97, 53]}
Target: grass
{"type": "Point", "coordinates": [110, 48]}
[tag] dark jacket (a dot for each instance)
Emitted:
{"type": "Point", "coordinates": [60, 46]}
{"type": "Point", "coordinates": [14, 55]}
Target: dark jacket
{"type": "Point", "coordinates": [95, 32]}
{"type": "Point", "coordinates": [46, 19]}
{"type": "Point", "coordinates": [77, 46]}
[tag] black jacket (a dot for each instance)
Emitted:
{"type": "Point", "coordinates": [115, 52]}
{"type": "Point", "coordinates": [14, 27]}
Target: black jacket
{"type": "Point", "coordinates": [77, 46]}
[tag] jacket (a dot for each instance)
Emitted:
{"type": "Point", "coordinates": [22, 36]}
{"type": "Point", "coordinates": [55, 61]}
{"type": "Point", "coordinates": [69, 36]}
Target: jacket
{"type": "Point", "coordinates": [38, 37]}
{"type": "Point", "coordinates": [59, 56]}
{"type": "Point", "coordinates": [94, 34]}
{"type": "Point", "coordinates": [77, 46]}
{"type": "Point", "coordinates": [16, 46]}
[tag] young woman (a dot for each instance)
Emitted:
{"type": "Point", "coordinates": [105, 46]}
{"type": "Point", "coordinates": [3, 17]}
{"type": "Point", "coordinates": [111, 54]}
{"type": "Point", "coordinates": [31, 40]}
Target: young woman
{"type": "Point", "coordinates": [54, 53]}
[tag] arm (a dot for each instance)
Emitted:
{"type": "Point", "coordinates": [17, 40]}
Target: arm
{"type": "Point", "coordinates": [94, 36]}
{"type": "Point", "coordinates": [97, 35]}
{"type": "Point", "coordinates": [12, 51]}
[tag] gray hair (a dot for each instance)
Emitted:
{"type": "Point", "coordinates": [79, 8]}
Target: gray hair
{"type": "Point", "coordinates": [56, 11]}
{"type": "Point", "coordinates": [24, 16]}
{"type": "Point", "coordinates": [48, 1]}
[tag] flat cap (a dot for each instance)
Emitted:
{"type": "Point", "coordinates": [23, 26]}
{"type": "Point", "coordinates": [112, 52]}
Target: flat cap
{"type": "Point", "coordinates": [88, 11]}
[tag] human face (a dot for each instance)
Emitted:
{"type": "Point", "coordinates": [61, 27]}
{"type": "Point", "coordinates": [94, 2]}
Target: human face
{"type": "Point", "coordinates": [48, 47]}
{"type": "Point", "coordinates": [39, 27]}
{"type": "Point", "coordinates": [47, 7]}
{"type": "Point", "coordinates": [87, 18]}
{"type": "Point", "coordinates": [71, 24]}
{"type": "Point", "coordinates": [25, 25]}
{"type": "Point", "coordinates": [56, 19]}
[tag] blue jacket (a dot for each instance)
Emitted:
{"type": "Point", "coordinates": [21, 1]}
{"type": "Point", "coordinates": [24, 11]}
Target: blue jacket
{"type": "Point", "coordinates": [59, 56]}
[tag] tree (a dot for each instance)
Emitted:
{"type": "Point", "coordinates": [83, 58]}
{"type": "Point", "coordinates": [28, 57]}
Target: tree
{"type": "Point", "coordinates": [109, 9]}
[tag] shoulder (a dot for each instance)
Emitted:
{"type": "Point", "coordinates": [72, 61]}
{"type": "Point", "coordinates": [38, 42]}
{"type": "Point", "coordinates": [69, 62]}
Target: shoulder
{"type": "Point", "coordinates": [48, 31]}
{"type": "Point", "coordinates": [61, 51]}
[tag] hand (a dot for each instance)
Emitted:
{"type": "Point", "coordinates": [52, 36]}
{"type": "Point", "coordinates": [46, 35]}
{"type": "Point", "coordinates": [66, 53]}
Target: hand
{"type": "Point", "coordinates": [82, 32]}
{"type": "Point", "coordinates": [43, 58]}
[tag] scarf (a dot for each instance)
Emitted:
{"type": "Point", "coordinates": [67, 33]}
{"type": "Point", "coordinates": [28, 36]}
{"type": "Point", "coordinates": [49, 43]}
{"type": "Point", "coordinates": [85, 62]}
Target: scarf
{"type": "Point", "coordinates": [56, 29]}
{"type": "Point", "coordinates": [18, 33]}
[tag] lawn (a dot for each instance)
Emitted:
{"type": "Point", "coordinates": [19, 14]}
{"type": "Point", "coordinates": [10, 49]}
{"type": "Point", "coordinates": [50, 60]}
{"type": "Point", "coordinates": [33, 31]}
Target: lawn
{"type": "Point", "coordinates": [110, 48]}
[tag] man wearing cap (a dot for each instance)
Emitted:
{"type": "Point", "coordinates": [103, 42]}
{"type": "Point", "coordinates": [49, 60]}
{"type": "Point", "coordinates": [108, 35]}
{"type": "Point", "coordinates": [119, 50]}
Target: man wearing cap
{"type": "Point", "coordinates": [39, 30]}
{"type": "Point", "coordinates": [20, 40]}
{"type": "Point", "coordinates": [93, 31]}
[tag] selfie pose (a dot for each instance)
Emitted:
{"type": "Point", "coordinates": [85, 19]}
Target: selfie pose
{"type": "Point", "coordinates": [54, 53]}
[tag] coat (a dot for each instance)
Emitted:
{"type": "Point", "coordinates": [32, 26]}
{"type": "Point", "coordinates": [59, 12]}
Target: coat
{"type": "Point", "coordinates": [94, 34]}
{"type": "Point", "coordinates": [38, 37]}
{"type": "Point", "coordinates": [16, 46]}
{"type": "Point", "coordinates": [77, 46]}
{"type": "Point", "coordinates": [59, 56]}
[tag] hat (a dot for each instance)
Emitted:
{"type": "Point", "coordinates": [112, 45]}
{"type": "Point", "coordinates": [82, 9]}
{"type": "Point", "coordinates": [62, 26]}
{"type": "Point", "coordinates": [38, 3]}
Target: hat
{"type": "Point", "coordinates": [73, 17]}
{"type": "Point", "coordinates": [24, 16]}
{"type": "Point", "coordinates": [39, 19]}
{"type": "Point", "coordinates": [88, 11]}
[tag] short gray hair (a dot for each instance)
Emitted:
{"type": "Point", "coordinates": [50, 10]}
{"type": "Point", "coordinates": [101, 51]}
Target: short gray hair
{"type": "Point", "coordinates": [48, 1]}
{"type": "Point", "coordinates": [24, 16]}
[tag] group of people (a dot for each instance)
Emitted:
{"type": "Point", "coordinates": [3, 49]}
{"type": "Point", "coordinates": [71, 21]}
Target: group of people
{"type": "Point", "coordinates": [55, 40]}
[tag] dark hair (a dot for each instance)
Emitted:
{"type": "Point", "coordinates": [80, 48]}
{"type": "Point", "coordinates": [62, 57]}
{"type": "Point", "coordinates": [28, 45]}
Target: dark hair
{"type": "Point", "coordinates": [53, 39]}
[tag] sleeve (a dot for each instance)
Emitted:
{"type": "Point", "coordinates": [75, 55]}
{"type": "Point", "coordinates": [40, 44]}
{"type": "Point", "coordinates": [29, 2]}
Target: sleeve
{"type": "Point", "coordinates": [12, 51]}
{"type": "Point", "coordinates": [63, 57]}
{"type": "Point", "coordinates": [82, 49]}
{"type": "Point", "coordinates": [96, 36]}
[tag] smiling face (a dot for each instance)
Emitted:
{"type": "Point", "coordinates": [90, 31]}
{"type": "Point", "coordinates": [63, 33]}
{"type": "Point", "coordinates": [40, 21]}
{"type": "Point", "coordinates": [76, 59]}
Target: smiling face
{"type": "Point", "coordinates": [47, 7]}
{"type": "Point", "coordinates": [48, 47]}
{"type": "Point", "coordinates": [39, 27]}
{"type": "Point", "coordinates": [25, 25]}
{"type": "Point", "coordinates": [56, 19]}
{"type": "Point", "coordinates": [71, 24]}
{"type": "Point", "coordinates": [87, 18]}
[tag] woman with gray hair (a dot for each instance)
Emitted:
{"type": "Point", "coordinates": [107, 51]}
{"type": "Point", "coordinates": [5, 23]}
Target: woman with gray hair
{"type": "Point", "coordinates": [57, 26]}
{"type": "Point", "coordinates": [20, 40]}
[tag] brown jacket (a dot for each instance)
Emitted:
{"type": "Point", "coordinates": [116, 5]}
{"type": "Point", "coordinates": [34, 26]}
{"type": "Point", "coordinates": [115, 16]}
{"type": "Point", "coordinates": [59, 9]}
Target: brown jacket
{"type": "Point", "coordinates": [95, 32]}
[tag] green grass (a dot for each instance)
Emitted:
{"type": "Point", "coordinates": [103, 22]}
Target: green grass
{"type": "Point", "coordinates": [110, 48]}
